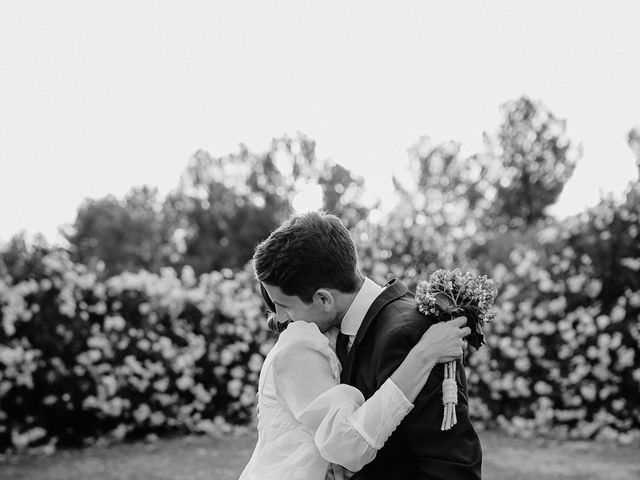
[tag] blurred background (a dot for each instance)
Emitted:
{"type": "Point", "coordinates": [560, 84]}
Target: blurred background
{"type": "Point", "coordinates": [147, 147]}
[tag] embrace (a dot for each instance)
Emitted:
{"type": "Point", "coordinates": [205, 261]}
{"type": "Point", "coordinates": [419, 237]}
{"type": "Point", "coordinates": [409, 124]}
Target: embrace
{"type": "Point", "coordinates": [353, 383]}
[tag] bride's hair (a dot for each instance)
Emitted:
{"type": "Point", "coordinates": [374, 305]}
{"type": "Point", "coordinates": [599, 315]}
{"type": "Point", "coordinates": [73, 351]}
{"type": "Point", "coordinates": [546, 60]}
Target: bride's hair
{"type": "Point", "coordinates": [272, 320]}
{"type": "Point", "coordinates": [307, 252]}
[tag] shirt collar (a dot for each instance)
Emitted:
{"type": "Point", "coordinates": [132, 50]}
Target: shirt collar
{"type": "Point", "coordinates": [358, 309]}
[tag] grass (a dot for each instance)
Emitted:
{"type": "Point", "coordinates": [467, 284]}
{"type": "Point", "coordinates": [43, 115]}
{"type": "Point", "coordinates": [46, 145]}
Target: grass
{"type": "Point", "coordinates": [223, 457]}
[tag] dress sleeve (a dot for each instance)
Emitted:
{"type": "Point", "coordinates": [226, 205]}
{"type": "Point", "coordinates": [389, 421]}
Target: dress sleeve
{"type": "Point", "coordinates": [347, 430]}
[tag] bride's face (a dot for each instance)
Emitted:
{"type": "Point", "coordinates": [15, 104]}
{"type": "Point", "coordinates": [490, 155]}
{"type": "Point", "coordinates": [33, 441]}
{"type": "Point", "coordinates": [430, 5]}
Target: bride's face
{"type": "Point", "coordinates": [320, 311]}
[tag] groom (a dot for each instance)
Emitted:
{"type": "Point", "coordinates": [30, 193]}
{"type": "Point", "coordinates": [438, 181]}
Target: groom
{"type": "Point", "coordinates": [308, 266]}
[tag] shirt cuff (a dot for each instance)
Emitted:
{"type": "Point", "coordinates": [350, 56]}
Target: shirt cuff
{"type": "Point", "coordinates": [378, 418]}
{"type": "Point", "coordinates": [403, 402]}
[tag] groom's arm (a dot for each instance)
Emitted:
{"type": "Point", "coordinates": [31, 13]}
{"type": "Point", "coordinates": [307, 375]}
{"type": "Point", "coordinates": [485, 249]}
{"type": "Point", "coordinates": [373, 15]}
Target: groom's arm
{"type": "Point", "coordinates": [454, 454]}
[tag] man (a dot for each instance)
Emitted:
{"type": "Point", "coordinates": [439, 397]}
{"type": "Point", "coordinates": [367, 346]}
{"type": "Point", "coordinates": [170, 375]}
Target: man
{"type": "Point", "coordinates": [308, 267]}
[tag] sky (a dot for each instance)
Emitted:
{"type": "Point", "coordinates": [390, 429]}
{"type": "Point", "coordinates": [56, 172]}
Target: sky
{"type": "Point", "coordinates": [100, 96]}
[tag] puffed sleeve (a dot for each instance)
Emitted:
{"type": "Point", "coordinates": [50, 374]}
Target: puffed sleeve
{"type": "Point", "coordinates": [347, 430]}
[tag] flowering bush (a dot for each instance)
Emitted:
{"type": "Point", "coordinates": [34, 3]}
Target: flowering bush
{"type": "Point", "coordinates": [140, 353]}
{"type": "Point", "coordinates": [563, 354]}
{"type": "Point", "coordinates": [564, 349]}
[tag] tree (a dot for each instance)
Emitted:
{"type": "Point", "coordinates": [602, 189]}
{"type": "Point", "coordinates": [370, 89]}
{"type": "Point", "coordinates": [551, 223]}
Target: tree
{"type": "Point", "coordinates": [21, 258]}
{"type": "Point", "coordinates": [119, 235]}
{"type": "Point", "coordinates": [343, 194]}
{"type": "Point", "coordinates": [224, 206]}
{"type": "Point", "coordinates": [221, 209]}
{"type": "Point", "coordinates": [537, 159]}
{"type": "Point", "coordinates": [439, 214]}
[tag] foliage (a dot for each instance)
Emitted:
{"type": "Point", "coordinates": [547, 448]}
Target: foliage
{"type": "Point", "coordinates": [564, 352]}
{"type": "Point", "coordinates": [21, 258]}
{"type": "Point", "coordinates": [536, 159]}
{"type": "Point", "coordinates": [437, 218]}
{"type": "Point", "coordinates": [225, 206]}
{"type": "Point", "coordinates": [343, 194]}
{"type": "Point", "coordinates": [82, 358]}
{"type": "Point", "coordinates": [117, 235]}
{"type": "Point", "coordinates": [221, 209]}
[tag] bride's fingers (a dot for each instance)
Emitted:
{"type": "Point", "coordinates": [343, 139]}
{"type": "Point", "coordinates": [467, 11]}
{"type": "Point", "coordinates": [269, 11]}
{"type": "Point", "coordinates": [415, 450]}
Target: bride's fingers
{"type": "Point", "coordinates": [464, 331]}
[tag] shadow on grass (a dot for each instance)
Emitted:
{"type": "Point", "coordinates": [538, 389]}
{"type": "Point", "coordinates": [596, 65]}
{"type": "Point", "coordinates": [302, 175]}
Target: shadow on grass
{"type": "Point", "coordinates": [223, 458]}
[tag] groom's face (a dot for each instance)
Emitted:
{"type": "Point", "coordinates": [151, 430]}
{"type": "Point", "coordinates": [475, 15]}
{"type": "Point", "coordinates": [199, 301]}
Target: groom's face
{"type": "Point", "coordinates": [292, 308]}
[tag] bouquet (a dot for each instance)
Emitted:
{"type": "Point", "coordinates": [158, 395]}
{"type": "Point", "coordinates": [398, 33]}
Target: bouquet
{"type": "Point", "coordinates": [449, 294]}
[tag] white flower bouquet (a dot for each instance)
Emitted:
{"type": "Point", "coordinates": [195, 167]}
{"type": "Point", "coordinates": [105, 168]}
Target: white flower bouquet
{"type": "Point", "coordinates": [449, 294]}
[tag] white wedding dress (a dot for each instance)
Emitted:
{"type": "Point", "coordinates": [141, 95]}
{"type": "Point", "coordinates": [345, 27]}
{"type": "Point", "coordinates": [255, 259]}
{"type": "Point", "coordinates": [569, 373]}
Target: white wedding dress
{"type": "Point", "coordinates": [306, 419]}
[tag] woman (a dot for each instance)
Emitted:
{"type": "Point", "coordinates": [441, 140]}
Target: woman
{"type": "Point", "coordinates": [307, 420]}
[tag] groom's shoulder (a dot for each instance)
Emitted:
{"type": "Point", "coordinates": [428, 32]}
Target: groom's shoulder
{"type": "Point", "coordinates": [401, 315]}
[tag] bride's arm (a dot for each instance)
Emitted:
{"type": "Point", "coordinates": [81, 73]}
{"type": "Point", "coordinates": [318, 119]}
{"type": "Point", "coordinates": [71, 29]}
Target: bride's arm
{"type": "Point", "coordinates": [347, 430]}
{"type": "Point", "coordinates": [442, 342]}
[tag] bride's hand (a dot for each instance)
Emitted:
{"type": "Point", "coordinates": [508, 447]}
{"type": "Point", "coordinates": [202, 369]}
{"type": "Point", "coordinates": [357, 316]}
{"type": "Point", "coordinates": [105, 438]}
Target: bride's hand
{"type": "Point", "coordinates": [444, 341]}
{"type": "Point", "coordinates": [337, 472]}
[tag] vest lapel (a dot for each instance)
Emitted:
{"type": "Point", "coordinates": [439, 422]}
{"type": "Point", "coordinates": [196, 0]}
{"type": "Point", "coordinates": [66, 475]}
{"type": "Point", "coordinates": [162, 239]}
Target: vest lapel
{"type": "Point", "coordinates": [394, 290]}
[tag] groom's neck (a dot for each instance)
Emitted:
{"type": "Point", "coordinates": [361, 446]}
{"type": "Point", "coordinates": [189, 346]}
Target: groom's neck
{"type": "Point", "coordinates": [345, 300]}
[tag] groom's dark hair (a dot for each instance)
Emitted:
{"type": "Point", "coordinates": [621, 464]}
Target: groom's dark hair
{"type": "Point", "coordinates": [307, 252]}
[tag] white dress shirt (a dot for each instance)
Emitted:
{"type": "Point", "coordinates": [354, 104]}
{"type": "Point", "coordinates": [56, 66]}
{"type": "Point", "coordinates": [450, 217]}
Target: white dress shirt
{"type": "Point", "coordinates": [358, 309]}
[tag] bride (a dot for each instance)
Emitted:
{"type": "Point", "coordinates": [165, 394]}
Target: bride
{"type": "Point", "coordinates": [308, 421]}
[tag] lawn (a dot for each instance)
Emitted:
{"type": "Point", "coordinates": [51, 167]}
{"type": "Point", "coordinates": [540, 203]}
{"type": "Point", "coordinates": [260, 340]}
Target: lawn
{"type": "Point", "coordinates": [223, 457]}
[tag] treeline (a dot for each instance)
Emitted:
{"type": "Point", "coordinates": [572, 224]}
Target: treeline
{"type": "Point", "coordinates": [223, 206]}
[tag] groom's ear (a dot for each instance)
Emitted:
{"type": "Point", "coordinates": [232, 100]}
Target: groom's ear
{"type": "Point", "coordinates": [323, 298]}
